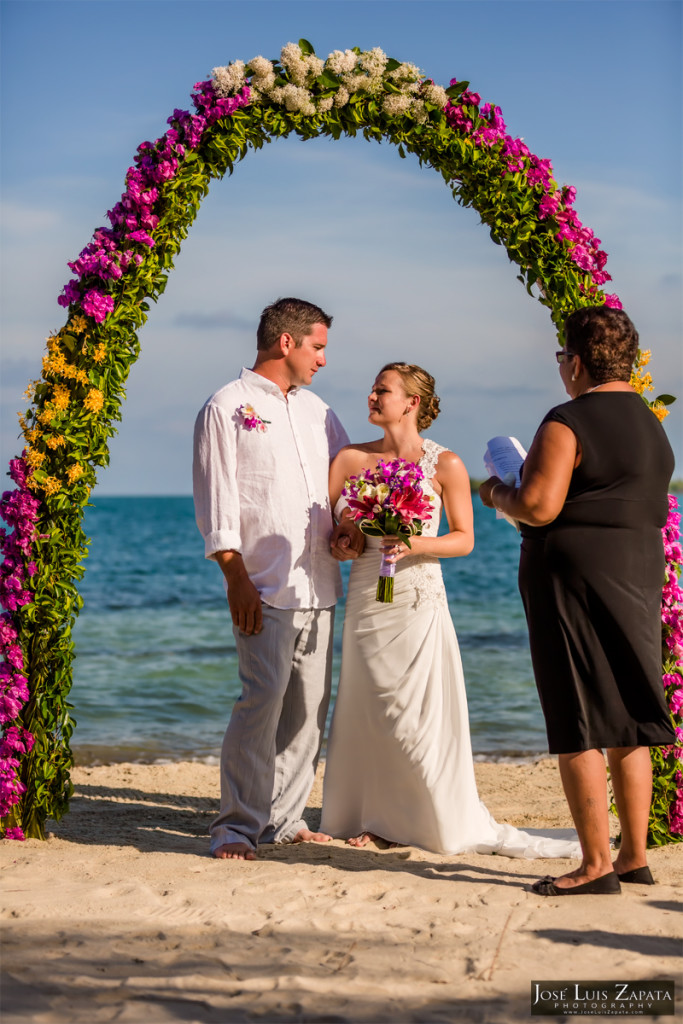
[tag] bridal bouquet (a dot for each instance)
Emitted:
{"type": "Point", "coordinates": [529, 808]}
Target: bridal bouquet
{"type": "Point", "coordinates": [388, 501]}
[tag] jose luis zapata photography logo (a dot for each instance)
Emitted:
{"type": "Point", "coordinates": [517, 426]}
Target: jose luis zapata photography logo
{"type": "Point", "coordinates": [603, 998]}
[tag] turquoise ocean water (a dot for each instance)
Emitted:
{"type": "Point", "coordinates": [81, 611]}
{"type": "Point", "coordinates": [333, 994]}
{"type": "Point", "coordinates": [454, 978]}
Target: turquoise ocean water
{"type": "Point", "coordinates": [155, 674]}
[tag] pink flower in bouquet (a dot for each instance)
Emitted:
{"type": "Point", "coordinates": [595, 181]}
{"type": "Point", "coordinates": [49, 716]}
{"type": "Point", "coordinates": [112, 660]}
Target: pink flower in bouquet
{"type": "Point", "coordinates": [388, 501]}
{"type": "Point", "coordinates": [411, 504]}
{"type": "Point", "coordinates": [365, 506]}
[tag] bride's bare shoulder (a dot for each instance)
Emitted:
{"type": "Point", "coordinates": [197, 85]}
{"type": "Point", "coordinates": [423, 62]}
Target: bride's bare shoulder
{"type": "Point", "coordinates": [358, 456]}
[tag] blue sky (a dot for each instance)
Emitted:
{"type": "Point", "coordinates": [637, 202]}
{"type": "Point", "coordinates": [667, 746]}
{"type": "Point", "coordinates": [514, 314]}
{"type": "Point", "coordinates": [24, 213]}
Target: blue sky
{"type": "Point", "coordinates": [375, 240]}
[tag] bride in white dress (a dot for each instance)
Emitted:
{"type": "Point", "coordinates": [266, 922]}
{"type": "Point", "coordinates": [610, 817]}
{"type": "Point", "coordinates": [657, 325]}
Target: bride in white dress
{"type": "Point", "coordinates": [399, 758]}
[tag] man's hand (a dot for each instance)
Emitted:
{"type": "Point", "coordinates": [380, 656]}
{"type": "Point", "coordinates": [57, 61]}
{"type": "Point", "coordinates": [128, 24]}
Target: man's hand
{"type": "Point", "coordinates": [346, 541]}
{"type": "Point", "coordinates": [243, 597]}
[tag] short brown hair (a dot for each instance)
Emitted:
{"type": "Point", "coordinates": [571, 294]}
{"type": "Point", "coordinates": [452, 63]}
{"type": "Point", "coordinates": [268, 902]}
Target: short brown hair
{"type": "Point", "coordinates": [606, 341]}
{"type": "Point", "coordinates": [416, 381]}
{"type": "Point", "coordinates": [289, 316]}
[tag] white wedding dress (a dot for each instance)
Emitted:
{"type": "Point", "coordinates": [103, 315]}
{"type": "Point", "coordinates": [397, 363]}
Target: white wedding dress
{"type": "Point", "coordinates": [399, 758]}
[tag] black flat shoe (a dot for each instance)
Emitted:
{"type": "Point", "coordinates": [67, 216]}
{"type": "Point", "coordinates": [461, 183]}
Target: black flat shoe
{"type": "Point", "coordinates": [606, 885]}
{"type": "Point", "coordinates": [639, 876]}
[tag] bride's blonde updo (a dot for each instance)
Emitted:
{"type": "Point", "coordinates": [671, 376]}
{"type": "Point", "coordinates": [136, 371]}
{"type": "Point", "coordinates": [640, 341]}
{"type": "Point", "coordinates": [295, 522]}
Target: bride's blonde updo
{"type": "Point", "coordinates": [417, 381]}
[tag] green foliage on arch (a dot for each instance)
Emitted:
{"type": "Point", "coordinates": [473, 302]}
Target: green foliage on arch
{"type": "Point", "coordinates": [76, 402]}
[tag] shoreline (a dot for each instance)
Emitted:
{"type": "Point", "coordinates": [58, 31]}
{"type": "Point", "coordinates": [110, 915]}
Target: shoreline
{"type": "Point", "coordinates": [121, 915]}
{"type": "Point", "coordinates": [103, 757]}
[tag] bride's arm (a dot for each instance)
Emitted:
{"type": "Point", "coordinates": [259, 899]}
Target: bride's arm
{"type": "Point", "coordinates": [457, 501]}
{"type": "Point", "coordinates": [346, 540]}
{"type": "Point", "coordinates": [342, 466]}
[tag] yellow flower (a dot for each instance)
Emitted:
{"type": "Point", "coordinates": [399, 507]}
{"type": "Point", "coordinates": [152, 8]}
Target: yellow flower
{"type": "Point", "coordinates": [100, 352]}
{"type": "Point", "coordinates": [35, 459]}
{"type": "Point", "coordinates": [78, 324]}
{"type": "Point", "coordinates": [55, 441]}
{"type": "Point", "coordinates": [660, 410]}
{"type": "Point", "coordinates": [641, 382]}
{"type": "Point", "coordinates": [32, 434]}
{"type": "Point", "coordinates": [55, 363]}
{"type": "Point", "coordinates": [74, 472]}
{"type": "Point", "coordinates": [94, 400]}
{"type": "Point", "coordinates": [46, 416]}
{"type": "Point", "coordinates": [643, 358]}
{"type": "Point", "coordinates": [61, 397]}
{"type": "Point", "coordinates": [51, 485]}
{"type": "Point", "coordinates": [70, 371]}
{"type": "Point", "coordinates": [28, 394]}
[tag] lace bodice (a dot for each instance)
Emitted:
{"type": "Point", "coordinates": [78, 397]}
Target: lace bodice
{"type": "Point", "coordinates": [431, 451]}
{"type": "Point", "coordinates": [423, 572]}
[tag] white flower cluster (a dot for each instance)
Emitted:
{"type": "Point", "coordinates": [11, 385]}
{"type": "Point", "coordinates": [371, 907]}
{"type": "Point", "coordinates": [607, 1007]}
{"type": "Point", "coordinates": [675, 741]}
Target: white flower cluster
{"type": "Point", "coordinates": [366, 74]}
{"type": "Point", "coordinates": [302, 68]}
{"type": "Point", "coordinates": [229, 80]}
{"type": "Point", "coordinates": [402, 90]}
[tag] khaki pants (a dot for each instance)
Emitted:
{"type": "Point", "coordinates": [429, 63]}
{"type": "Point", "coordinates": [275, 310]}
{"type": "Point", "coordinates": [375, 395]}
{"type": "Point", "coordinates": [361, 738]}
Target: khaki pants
{"type": "Point", "coordinates": [272, 743]}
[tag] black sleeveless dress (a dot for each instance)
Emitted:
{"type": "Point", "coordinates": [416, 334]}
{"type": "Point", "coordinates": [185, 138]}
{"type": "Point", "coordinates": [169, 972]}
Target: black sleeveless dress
{"type": "Point", "coordinates": [591, 582]}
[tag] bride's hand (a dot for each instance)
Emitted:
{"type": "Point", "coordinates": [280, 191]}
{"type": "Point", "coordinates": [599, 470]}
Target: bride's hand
{"type": "Point", "coordinates": [394, 548]}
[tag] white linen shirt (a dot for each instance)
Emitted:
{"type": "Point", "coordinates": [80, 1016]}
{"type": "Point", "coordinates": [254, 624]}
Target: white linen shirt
{"type": "Point", "coordinates": [266, 494]}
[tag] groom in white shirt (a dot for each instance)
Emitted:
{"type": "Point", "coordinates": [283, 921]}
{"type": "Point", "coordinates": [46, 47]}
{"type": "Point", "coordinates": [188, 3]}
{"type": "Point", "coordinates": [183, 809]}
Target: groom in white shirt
{"type": "Point", "coordinates": [262, 450]}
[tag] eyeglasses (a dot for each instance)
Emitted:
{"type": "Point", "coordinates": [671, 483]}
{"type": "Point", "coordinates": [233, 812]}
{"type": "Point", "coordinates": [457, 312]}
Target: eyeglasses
{"type": "Point", "coordinates": [563, 355]}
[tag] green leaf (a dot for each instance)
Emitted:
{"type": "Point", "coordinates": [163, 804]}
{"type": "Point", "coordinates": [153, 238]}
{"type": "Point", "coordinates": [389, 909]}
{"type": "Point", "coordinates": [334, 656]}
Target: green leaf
{"type": "Point", "coordinates": [453, 91]}
{"type": "Point", "coordinates": [328, 80]}
{"type": "Point", "coordinates": [306, 47]}
{"type": "Point", "coordinates": [665, 399]}
{"type": "Point", "coordinates": [393, 64]}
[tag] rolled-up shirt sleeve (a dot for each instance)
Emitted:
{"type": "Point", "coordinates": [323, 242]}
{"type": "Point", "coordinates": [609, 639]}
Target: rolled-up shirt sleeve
{"type": "Point", "coordinates": [214, 481]}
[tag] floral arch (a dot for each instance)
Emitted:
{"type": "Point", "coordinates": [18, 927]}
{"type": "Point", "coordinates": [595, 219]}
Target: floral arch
{"type": "Point", "coordinates": [76, 401]}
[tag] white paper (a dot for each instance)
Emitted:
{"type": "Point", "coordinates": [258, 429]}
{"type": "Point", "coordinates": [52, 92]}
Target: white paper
{"type": "Point", "coordinates": [503, 458]}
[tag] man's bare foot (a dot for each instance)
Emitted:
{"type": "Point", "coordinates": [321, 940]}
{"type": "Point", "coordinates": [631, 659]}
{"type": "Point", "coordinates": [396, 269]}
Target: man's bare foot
{"type": "Point", "coordinates": [304, 835]}
{"type": "Point", "coordinates": [234, 851]}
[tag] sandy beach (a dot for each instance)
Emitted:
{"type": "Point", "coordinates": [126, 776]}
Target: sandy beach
{"type": "Point", "coordinates": [122, 916]}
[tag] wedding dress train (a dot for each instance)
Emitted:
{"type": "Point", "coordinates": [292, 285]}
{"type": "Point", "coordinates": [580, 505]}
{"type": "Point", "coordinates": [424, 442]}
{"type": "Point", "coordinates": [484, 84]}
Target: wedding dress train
{"type": "Point", "coordinates": [399, 757]}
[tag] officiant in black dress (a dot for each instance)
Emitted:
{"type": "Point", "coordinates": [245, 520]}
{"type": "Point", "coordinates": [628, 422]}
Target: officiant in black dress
{"type": "Point", "coordinates": [591, 506]}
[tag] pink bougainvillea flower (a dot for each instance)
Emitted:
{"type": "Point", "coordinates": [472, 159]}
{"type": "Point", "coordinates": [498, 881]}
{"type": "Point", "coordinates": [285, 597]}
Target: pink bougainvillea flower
{"type": "Point", "coordinates": [613, 301]}
{"type": "Point", "coordinates": [71, 293]}
{"type": "Point", "coordinates": [97, 305]}
{"type": "Point", "coordinates": [141, 236]}
{"type": "Point", "coordinates": [15, 833]}
{"type": "Point", "coordinates": [16, 740]}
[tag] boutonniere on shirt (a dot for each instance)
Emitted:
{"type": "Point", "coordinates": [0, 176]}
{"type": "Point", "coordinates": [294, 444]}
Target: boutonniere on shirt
{"type": "Point", "coordinates": [251, 419]}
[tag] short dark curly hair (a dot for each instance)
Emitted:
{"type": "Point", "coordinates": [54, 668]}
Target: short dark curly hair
{"type": "Point", "coordinates": [289, 316]}
{"type": "Point", "coordinates": [606, 341]}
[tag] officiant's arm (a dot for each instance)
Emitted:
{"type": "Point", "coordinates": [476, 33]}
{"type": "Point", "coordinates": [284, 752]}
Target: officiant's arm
{"type": "Point", "coordinates": [547, 473]}
{"type": "Point", "coordinates": [453, 479]}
